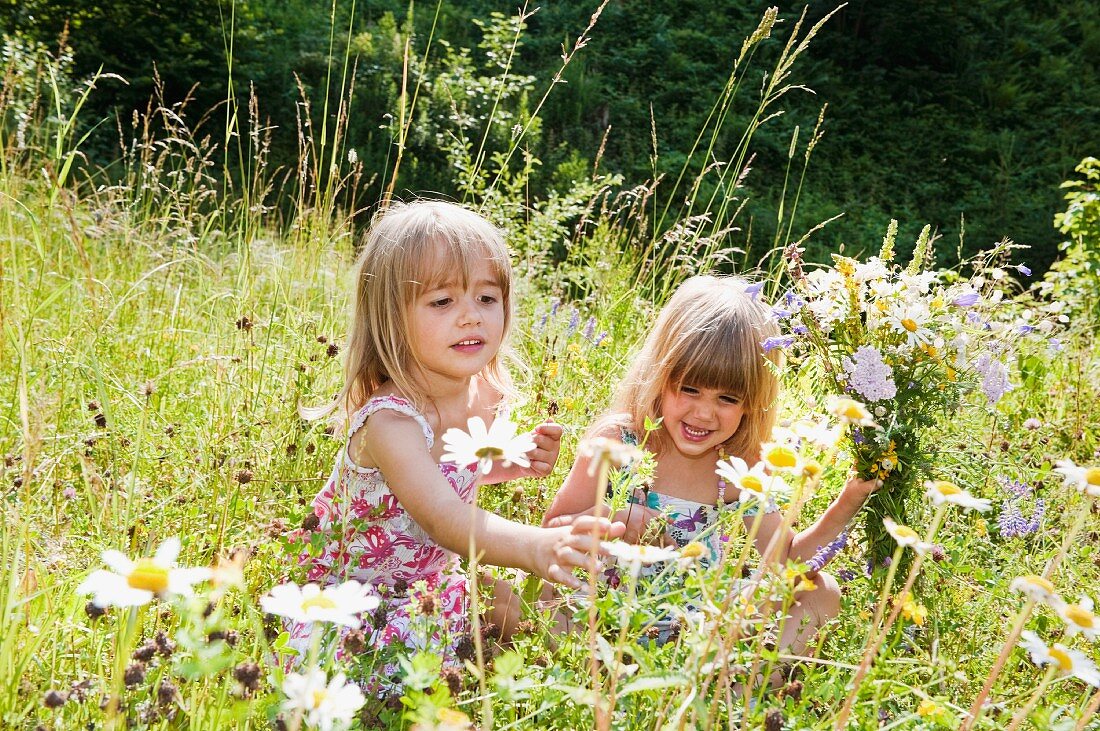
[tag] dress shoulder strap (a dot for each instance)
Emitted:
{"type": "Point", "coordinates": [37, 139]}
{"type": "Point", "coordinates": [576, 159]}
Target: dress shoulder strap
{"type": "Point", "coordinates": [390, 403]}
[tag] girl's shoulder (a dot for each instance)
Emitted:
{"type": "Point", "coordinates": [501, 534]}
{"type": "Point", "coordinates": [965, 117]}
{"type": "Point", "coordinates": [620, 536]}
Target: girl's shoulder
{"type": "Point", "coordinates": [385, 411]}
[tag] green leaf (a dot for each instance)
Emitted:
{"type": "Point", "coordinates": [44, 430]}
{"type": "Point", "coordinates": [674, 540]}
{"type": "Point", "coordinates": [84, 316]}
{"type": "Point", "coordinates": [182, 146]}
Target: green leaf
{"type": "Point", "coordinates": [655, 682]}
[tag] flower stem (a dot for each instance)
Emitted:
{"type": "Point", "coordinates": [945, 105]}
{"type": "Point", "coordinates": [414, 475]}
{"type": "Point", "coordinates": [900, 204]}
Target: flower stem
{"type": "Point", "coordinates": [1021, 619]}
{"type": "Point", "coordinates": [876, 637]}
{"type": "Point", "coordinates": [1090, 711]}
{"type": "Point", "coordinates": [1023, 713]}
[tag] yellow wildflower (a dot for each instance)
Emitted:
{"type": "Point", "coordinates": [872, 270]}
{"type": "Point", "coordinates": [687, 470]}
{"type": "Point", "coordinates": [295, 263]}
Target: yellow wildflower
{"type": "Point", "coordinates": [915, 613]}
{"type": "Point", "coordinates": [927, 708]}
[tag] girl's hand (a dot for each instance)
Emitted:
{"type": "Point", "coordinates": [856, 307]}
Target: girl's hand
{"type": "Point", "coordinates": [574, 546]}
{"type": "Point", "coordinates": [547, 437]}
{"type": "Point", "coordinates": [636, 518]}
{"type": "Point", "coordinates": [858, 490]}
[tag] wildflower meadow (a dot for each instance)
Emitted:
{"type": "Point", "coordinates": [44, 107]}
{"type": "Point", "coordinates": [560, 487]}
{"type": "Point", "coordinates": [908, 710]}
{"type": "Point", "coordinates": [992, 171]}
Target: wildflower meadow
{"type": "Point", "coordinates": [166, 323]}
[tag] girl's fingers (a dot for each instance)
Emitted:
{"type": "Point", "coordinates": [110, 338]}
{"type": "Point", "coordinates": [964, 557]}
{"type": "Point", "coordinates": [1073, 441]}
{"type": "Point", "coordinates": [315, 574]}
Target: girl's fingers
{"type": "Point", "coordinates": [549, 430]}
{"type": "Point", "coordinates": [560, 576]}
{"type": "Point", "coordinates": [573, 558]}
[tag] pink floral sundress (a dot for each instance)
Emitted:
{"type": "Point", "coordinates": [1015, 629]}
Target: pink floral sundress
{"type": "Point", "coordinates": [370, 538]}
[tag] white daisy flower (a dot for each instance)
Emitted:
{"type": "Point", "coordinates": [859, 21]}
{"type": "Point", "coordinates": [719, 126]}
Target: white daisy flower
{"type": "Point", "coordinates": [636, 555]}
{"type": "Point", "coordinates": [942, 491]}
{"type": "Point", "coordinates": [906, 536]}
{"type": "Point", "coordinates": [1068, 662]}
{"type": "Point", "coordinates": [821, 434]}
{"type": "Point", "coordinates": [850, 411]}
{"type": "Point", "coordinates": [1085, 479]}
{"type": "Point", "coordinates": [134, 583]}
{"type": "Point", "coordinates": [779, 457]}
{"type": "Point", "coordinates": [481, 446]}
{"type": "Point", "coordinates": [753, 482]}
{"type": "Point", "coordinates": [640, 553]}
{"type": "Point", "coordinates": [617, 454]}
{"type": "Point", "coordinates": [1079, 617]}
{"type": "Point", "coordinates": [311, 603]}
{"type": "Point", "coordinates": [911, 319]}
{"type": "Point", "coordinates": [323, 704]}
{"type": "Point", "coordinates": [917, 284]}
{"type": "Point", "coordinates": [1035, 587]}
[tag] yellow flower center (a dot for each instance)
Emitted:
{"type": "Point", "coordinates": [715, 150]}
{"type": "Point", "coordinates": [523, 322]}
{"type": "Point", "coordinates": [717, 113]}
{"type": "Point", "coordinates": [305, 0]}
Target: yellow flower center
{"type": "Point", "coordinates": [692, 550]}
{"type": "Point", "coordinates": [945, 488]}
{"type": "Point", "coordinates": [1065, 662]}
{"type": "Point", "coordinates": [319, 697]}
{"type": "Point", "coordinates": [1080, 616]}
{"type": "Point", "coordinates": [781, 456]}
{"type": "Point", "coordinates": [1092, 476]}
{"type": "Point", "coordinates": [1039, 582]}
{"type": "Point", "coordinates": [493, 453]}
{"type": "Point", "coordinates": [753, 483]}
{"type": "Point", "coordinates": [811, 468]}
{"type": "Point", "coordinates": [882, 306]}
{"type": "Point", "coordinates": [320, 601]}
{"type": "Point", "coordinates": [909, 324]}
{"type": "Point", "coordinates": [853, 411]}
{"type": "Point", "coordinates": [149, 576]}
{"type": "Point", "coordinates": [904, 531]}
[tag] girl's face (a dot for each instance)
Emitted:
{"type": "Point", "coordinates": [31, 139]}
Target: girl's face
{"type": "Point", "coordinates": [457, 330]}
{"type": "Point", "coordinates": [697, 420]}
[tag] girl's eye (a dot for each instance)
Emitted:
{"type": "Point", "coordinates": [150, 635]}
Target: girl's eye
{"type": "Point", "coordinates": [689, 390]}
{"type": "Point", "coordinates": [442, 302]}
{"type": "Point", "coordinates": [487, 299]}
{"type": "Point", "coordinates": [730, 400]}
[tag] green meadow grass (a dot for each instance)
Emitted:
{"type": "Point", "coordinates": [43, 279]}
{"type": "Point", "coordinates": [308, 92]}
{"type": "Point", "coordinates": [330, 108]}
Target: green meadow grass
{"type": "Point", "coordinates": [160, 334]}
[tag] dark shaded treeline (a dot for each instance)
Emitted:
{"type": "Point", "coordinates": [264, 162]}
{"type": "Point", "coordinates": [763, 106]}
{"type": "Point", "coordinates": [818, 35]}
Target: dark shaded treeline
{"type": "Point", "coordinates": [937, 110]}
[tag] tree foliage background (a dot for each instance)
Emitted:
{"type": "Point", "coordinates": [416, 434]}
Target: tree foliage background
{"type": "Point", "coordinates": [955, 113]}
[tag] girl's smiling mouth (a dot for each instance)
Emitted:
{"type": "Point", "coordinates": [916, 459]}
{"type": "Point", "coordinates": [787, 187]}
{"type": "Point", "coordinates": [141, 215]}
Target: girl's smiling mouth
{"type": "Point", "coordinates": [469, 345]}
{"type": "Point", "coordinates": [693, 434]}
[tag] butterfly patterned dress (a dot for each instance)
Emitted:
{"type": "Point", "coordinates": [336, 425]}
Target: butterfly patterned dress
{"type": "Point", "coordinates": [687, 521]}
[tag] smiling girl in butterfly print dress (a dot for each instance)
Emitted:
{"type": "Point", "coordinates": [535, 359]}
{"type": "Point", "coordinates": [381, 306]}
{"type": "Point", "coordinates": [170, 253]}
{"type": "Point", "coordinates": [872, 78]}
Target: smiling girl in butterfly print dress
{"type": "Point", "coordinates": [425, 353]}
{"type": "Point", "coordinates": [703, 372]}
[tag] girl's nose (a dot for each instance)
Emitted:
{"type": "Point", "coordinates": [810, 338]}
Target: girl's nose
{"type": "Point", "coordinates": [470, 314]}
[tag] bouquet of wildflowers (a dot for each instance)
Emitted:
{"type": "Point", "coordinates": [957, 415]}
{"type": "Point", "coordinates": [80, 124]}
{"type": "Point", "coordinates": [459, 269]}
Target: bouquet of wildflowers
{"type": "Point", "coordinates": [897, 350]}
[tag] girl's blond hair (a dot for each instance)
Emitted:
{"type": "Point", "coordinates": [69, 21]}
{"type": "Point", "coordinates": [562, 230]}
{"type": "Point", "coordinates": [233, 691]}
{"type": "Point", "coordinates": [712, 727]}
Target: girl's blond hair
{"type": "Point", "coordinates": [708, 335]}
{"type": "Point", "coordinates": [411, 248]}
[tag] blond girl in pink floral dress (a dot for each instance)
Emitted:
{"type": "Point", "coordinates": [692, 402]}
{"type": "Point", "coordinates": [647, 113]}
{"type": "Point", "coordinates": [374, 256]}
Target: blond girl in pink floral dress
{"type": "Point", "coordinates": [432, 311]}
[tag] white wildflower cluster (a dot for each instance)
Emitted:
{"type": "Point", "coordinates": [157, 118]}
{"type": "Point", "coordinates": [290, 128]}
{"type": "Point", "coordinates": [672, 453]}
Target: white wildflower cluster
{"type": "Point", "coordinates": [869, 375]}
